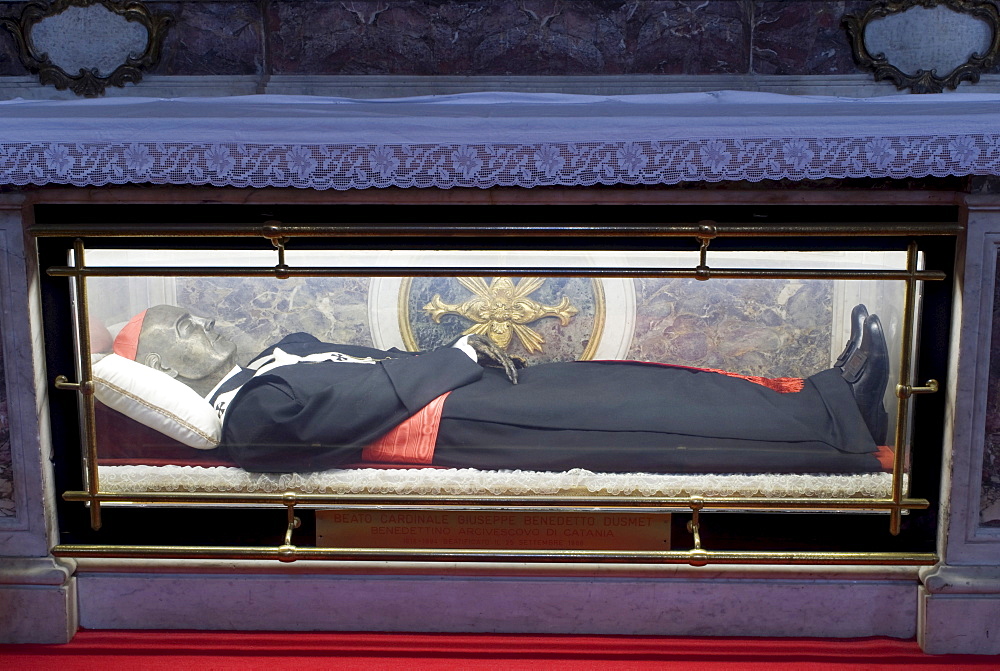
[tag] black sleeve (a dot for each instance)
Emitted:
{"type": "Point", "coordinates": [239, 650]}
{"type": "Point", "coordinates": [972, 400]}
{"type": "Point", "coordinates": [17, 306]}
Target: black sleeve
{"type": "Point", "coordinates": [314, 416]}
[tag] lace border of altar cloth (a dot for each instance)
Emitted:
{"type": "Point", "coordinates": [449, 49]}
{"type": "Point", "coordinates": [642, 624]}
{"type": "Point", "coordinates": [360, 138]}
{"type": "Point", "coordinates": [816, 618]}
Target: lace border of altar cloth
{"type": "Point", "coordinates": [486, 140]}
{"type": "Point", "coordinates": [467, 481]}
{"type": "Point", "coordinates": [343, 167]}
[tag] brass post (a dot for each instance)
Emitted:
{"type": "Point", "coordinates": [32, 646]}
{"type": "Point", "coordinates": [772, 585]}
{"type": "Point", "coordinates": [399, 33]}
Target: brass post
{"type": "Point", "coordinates": [706, 233]}
{"type": "Point", "coordinates": [903, 407]}
{"type": "Point", "coordinates": [86, 384]}
{"type": "Point", "coordinates": [272, 231]}
{"type": "Point", "coordinates": [287, 551]}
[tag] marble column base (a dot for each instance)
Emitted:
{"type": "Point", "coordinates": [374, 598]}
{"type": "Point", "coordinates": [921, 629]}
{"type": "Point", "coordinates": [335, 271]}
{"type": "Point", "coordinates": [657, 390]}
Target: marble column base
{"type": "Point", "coordinates": [959, 624]}
{"type": "Point", "coordinates": [771, 606]}
{"type": "Point", "coordinates": [37, 600]}
{"type": "Point", "coordinates": [959, 610]}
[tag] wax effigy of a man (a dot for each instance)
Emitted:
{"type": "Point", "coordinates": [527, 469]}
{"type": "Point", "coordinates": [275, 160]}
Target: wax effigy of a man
{"type": "Point", "coordinates": [304, 405]}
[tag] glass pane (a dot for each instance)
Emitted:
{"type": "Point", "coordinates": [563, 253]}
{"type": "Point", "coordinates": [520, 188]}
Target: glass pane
{"type": "Point", "coordinates": [626, 385]}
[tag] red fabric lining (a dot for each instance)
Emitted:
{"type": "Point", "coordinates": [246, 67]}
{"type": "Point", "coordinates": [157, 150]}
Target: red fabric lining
{"type": "Point", "coordinates": [782, 385]}
{"type": "Point", "coordinates": [885, 456]}
{"type": "Point", "coordinates": [122, 441]}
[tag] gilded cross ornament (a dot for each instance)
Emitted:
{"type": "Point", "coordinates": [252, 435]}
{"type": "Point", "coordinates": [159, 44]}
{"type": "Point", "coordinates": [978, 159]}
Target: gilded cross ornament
{"type": "Point", "coordinates": [502, 310]}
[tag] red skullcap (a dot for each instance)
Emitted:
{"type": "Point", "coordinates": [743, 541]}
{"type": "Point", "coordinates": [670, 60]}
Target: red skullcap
{"type": "Point", "coordinates": [127, 342]}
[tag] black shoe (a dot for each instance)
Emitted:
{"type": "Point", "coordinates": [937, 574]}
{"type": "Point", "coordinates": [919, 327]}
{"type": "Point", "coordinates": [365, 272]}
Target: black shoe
{"type": "Point", "coordinates": [867, 371]}
{"type": "Point", "coordinates": [858, 316]}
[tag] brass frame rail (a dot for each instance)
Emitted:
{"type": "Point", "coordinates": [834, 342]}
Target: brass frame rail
{"type": "Point", "coordinates": [277, 229]}
{"type": "Point", "coordinates": [695, 557]}
{"type": "Point", "coordinates": [532, 503]}
{"type": "Point", "coordinates": [381, 271]}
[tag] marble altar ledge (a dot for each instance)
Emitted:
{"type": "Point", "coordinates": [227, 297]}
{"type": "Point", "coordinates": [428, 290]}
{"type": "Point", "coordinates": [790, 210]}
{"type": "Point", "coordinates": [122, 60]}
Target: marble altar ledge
{"type": "Point", "coordinates": [949, 579]}
{"type": "Point", "coordinates": [36, 570]}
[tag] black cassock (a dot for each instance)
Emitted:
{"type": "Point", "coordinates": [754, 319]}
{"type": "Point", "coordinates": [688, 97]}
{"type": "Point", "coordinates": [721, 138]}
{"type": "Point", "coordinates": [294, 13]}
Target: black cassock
{"type": "Point", "coordinates": [603, 416]}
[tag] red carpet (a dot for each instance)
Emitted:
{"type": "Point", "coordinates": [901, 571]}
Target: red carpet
{"type": "Point", "coordinates": [178, 650]}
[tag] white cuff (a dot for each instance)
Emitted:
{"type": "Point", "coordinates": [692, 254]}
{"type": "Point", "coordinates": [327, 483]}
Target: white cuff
{"type": "Point", "coordinates": [463, 344]}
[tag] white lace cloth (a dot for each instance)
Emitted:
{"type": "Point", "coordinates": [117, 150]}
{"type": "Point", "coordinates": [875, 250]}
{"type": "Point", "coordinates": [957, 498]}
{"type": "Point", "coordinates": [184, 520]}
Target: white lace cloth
{"type": "Point", "coordinates": [495, 139]}
{"type": "Point", "coordinates": [467, 481]}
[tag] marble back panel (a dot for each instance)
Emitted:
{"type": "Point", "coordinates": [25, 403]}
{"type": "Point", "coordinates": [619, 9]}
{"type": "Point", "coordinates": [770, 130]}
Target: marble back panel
{"type": "Point", "coordinates": [256, 313]}
{"type": "Point", "coordinates": [496, 38]}
{"type": "Point", "coordinates": [771, 328]}
{"type": "Point", "coordinates": [541, 37]}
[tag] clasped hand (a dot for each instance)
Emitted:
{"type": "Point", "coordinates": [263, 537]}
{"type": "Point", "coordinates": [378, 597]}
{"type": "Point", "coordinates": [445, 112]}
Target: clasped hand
{"type": "Point", "coordinates": [490, 355]}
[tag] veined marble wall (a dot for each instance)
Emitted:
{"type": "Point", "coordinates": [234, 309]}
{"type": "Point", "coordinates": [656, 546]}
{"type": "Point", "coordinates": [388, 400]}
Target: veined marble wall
{"type": "Point", "coordinates": [256, 313]}
{"type": "Point", "coordinates": [990, 497]}
{"type": "Point", "coordinates": [6, 459]}
{"type": "Point", "coordinates": [771, 328]}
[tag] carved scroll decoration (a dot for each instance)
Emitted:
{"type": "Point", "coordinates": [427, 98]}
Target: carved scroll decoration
{"type": "Point", "coordinates": [924, 81]}
{"type": "Point", "coordinates": [87, 82]}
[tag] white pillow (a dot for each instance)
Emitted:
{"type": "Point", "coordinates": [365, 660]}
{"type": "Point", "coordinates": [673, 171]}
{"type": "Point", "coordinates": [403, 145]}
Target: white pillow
{"type": "Point", "coordinates": [153, 398]}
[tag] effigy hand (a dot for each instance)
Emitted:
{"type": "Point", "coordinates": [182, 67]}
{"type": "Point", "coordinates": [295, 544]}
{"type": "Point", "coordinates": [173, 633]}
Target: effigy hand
{"type": "Point", "coordinates": [492, 356]}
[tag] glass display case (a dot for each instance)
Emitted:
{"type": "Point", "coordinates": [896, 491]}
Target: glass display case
{"type": "Point", "coordinates": [536, 384]}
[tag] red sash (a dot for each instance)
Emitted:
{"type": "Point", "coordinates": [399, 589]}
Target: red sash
{"type": "Point", "coordinates": [413, 440]}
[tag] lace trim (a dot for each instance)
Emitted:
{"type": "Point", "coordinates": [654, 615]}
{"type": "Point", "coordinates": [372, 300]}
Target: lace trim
{"type": "Point", "coordinates": [135, 479]}
{"type": "Point", "coordinates": [584, 163]}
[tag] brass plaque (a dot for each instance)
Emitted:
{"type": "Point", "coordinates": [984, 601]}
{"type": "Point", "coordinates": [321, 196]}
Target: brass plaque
{"type": "Point", "coordinates": [501, 530]}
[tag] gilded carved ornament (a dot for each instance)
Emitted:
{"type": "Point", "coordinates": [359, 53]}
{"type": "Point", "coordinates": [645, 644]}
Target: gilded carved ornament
{"type": "Point", "coordinates": [88, 45]}
{"type": "Point", "coordinates": [951, 26]}
{"type": "Point", "coordinates": [501, 310]}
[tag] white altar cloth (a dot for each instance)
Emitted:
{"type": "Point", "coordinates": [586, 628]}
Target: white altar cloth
{"type": "Point", "coordinates": [495, 139]}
